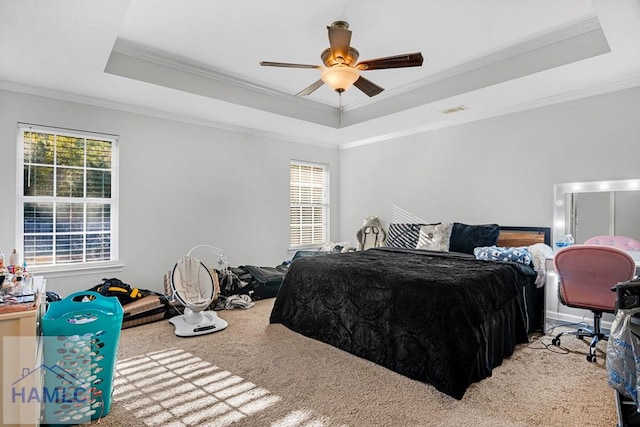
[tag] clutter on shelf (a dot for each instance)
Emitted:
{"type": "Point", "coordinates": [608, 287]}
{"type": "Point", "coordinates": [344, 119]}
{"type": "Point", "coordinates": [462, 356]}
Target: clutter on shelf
{"type": "Point", "coordinates": [15, 281]}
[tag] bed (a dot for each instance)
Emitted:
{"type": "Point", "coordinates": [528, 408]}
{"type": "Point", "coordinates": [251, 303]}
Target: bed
{"type": "Point", "coordinates": [445, 318]}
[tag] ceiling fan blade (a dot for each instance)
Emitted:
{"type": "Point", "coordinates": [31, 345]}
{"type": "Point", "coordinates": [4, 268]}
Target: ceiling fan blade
{"type": "Point", "coordinates": [309, 89]}
{"type": "Point", "coordinates": [339, 39]}
{"type": "Point", "coordinates": [397, 61]}
{"type": "Point", "coordinates": [287, 65]}
{"type": "Point", "coordinates": [367, 86]}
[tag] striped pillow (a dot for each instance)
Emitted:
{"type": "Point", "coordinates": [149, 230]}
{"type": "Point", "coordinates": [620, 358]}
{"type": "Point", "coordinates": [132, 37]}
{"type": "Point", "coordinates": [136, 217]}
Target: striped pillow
{"type": "Point", "coordinates": [403, 236]}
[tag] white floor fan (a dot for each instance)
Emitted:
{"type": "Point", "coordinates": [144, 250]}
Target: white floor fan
{"type": "Point", "coordinates": [193, 286]}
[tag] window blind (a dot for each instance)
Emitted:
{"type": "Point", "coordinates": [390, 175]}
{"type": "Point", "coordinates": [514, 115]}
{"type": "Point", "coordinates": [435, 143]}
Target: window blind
{"type": "Point", "coordinates": [309, 204]}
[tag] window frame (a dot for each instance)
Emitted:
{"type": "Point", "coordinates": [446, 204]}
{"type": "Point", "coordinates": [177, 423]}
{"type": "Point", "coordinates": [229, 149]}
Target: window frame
{"type": "Point", "coordinates": [55, 269]}
{"type": "Point", "coordinates": [326, 205]}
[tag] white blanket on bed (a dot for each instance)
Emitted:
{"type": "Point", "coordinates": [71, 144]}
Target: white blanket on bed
{"type": "Point", "coordinates": [539, 254]}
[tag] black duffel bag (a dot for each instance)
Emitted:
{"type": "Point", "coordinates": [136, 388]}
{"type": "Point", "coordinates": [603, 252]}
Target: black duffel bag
{"type": "Point", "coordinates": [125, 293]}
{"type": "Point", "coordinates": [265, 281]}
{"type": "Point", "coordinates": [257, 282]}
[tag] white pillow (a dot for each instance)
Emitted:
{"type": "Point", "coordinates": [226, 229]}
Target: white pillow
{"type": "Point", "coordinates": [435, 237]}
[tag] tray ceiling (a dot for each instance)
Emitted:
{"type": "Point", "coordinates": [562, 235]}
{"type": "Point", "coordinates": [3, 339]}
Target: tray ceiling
{"type": "Point", "coordinates": [198, 61]}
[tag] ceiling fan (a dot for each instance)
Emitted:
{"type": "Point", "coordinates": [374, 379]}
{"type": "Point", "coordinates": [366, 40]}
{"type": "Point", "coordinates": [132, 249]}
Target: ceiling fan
{"type": "Point", "coordinates": [341, 69]}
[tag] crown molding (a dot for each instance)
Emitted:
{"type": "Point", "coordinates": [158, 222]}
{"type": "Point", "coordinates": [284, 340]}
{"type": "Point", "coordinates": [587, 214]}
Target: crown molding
{"type": "Point", "coordinates": [185, 65]}
{"type": "Point", "coordinates": [471, 116]}
{"type": "Point", "coordinates": [145, 111]}
{"type": "Point", "coordinates": [560, 34]}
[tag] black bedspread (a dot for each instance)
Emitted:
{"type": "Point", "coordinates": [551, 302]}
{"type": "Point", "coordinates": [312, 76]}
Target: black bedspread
{"type": "Point", "coordinates": [443, 318]}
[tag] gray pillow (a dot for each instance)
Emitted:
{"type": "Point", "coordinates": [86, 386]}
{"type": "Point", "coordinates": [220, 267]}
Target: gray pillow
{"type": "Point", "coordinates": [434, 237]}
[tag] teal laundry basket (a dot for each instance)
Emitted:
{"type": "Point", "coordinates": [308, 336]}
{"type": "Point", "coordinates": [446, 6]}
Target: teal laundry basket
{"type": "Point", "coordinates": [81, 335]}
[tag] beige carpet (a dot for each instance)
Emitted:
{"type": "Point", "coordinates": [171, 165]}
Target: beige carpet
{"type": "Point", "coordinates": [257, 374]}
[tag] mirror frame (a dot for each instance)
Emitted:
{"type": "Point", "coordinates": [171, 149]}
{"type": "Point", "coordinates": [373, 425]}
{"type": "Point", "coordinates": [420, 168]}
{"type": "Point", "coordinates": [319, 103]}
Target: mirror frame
{"type": "Point", "coordinates": [560, 192]}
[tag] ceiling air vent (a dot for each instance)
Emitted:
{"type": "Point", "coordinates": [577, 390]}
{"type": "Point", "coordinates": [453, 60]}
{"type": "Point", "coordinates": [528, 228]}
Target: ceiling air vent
{"type": "Point", "coordinates": [455, 109]}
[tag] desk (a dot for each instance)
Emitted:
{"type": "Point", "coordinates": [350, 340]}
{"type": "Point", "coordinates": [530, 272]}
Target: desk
{"type": "Point", "coordinates": [21, 347]}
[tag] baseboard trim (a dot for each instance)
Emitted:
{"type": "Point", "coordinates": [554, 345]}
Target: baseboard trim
{"type": "Point", "coordinates": [554, 319]}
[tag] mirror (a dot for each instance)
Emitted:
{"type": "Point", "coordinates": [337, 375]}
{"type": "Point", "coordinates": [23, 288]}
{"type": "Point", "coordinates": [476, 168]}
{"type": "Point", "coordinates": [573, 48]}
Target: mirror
{"type": "Point", "coordinates": [587, 209]}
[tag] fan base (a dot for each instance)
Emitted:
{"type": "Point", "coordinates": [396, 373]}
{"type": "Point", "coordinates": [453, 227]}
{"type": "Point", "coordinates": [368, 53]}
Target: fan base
{"type": "Point", "coordinates": [208, 323]}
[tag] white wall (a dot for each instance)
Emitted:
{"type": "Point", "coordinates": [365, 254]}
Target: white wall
{"type": "Point", "coordinates": [183, 184]}
{"type": "Point", "coordinates": [498, 170]}
{"type": "Point", "coordinates": [180, 185]}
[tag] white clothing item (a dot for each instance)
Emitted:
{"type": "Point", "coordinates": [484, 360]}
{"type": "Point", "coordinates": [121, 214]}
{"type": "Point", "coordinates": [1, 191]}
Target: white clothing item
{"type": "Point", "coordinates": [539, 253]}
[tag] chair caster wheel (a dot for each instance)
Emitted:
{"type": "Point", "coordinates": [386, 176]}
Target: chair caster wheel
{"type": "Point", "coordinates": [591, 357]}
{"type": "Point", "coordinates": [556, 342]}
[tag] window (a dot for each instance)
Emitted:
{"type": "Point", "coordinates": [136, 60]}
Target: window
{"type": "Point", "coordinates": [67, 198]}
{"type": "Point", "coordinates": [308, 204]}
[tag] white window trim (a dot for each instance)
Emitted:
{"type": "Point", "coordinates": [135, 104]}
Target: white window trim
{"type": "Point", "coordinates": [53, 272]}
{"type": "Point", "coordinates": [326, 203]}
{"type": "Point", "coordinates": [66, 270]}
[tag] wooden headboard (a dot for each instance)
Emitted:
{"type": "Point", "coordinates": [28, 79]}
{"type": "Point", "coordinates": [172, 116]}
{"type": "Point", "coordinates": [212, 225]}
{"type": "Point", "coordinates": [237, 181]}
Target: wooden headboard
{"type": "Point", "coordinates": [524, 236]}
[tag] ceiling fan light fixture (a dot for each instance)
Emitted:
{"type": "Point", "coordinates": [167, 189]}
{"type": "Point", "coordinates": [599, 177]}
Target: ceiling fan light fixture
{"type": "Point", "coordinates": [341, 67]}
{"type": "Point", "coordinates": [340, 77]}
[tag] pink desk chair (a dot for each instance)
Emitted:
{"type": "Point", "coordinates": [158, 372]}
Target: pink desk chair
{"type": "Point", "coordinates": [586, 275]}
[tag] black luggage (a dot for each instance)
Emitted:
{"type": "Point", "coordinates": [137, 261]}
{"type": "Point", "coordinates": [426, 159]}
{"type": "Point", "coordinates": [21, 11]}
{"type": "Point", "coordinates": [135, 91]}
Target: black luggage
{"type": "Point", "coordinates": [257, 282]}
{"type": "Point", "coordinates": [265, 281]}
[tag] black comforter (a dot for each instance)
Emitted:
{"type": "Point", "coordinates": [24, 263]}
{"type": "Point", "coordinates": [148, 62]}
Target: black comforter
{"type": "Point", "coordinates": [443, 318]}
